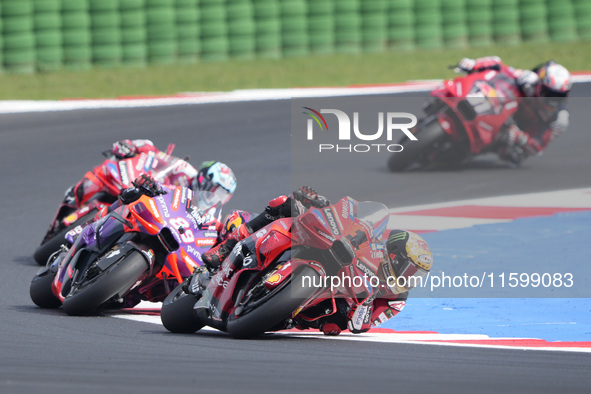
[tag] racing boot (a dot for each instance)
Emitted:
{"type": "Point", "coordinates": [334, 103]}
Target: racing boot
{"type": "Point", "coordinates": [216, 255]}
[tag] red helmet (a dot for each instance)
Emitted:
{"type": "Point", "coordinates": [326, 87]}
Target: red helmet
{"type": "Point", "coordinates": [233, 221]}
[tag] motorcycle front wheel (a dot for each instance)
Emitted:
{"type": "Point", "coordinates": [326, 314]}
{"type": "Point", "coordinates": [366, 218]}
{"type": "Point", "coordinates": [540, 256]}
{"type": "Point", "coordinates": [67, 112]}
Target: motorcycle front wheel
{"type": "Point", "coordinates": [429, 135]}
{"type": "Point", "coordinates": [270, 309]}
{"type": "Point", "coordinates": [97, 287]}
{"type": "Point", "coordinates": [177, 312]}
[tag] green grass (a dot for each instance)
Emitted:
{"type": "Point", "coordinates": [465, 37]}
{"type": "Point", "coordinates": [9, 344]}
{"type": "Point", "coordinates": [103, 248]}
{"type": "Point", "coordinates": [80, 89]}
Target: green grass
{"type": "Point", "coordinates": [329, 70]}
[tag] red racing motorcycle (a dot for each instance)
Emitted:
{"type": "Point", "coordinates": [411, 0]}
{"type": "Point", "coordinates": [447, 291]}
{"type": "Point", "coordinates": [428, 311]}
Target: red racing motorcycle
{"type": "Point", "coordinates": [288, 274]}
{"type": "Point", "coordinates": [463, 119]}
{"type": "Point", "coordinates": [103, 184]}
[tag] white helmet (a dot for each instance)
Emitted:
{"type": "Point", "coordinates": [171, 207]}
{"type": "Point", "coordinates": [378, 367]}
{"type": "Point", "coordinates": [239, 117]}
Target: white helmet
{"type": "Point", "coordinates": [555, 80]}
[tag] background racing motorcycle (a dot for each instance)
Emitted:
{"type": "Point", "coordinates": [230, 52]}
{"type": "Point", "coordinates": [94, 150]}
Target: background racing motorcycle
{"type": "Point", "coordinates": [102, 188]}
{"type": "Point", "coordinates": [463, 119]}
{"type": "Point", "coordinates": [282, 276]}
{"type": "Point", "coordinates": [138, 251]}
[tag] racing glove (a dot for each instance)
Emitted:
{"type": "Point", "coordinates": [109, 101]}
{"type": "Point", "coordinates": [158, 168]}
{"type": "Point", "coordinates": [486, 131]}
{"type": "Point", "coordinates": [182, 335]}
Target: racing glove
{"type": "Point", "coordinates": [148, 186]}
{"type": "Point", "coordinates": [468, 65]}
{"type": "Point", "coordinates": [308, 197]}
{"type": "Point", "coordinates": [465, 65]}
{"type": "Point", "coordinates": [124, 149]}
{"type": "Point", "coordinates": [143, 185]}
{"type": "Point", "coordinates": [527, 82]}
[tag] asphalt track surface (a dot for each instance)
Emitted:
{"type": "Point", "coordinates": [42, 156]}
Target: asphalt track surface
{"type": "Point", "coordinates": [44, 350]}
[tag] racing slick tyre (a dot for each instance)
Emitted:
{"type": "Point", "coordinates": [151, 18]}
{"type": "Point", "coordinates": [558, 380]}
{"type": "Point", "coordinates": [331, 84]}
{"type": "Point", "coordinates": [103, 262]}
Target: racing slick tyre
{"type": "Point", "coordinates": [429, 135]}
{"type": "Point", "coordinates": [96, 287]}
{"type": "Point", "coordinates": [269, 309]}
{"type": "Point", "coordinates": [45, 250]}
{"type": "Point", "coordinates": [177, 312]}
{"type": "Point", "coordinates": [40, 290]}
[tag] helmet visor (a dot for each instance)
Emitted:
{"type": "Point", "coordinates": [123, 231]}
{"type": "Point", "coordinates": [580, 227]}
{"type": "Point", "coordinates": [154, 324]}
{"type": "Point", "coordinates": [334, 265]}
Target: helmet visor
{"type": "Point", "coordinates": [221, 194]}
{"type": "Point", "coordinates": [405, 273]}
{"type": "Point", "coordinates": [547, 92]}
{"type": "Point", "coordinates": [203, 200]}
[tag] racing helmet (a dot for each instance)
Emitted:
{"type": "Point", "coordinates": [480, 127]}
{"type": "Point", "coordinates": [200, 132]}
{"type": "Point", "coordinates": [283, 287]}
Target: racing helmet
{"type": "Point", "coordinates": [232, 221]}
{"type": "Point", "coordinates": [408, 260]}
{"type": "Point", "coordinates": [217, 178]}
{"type": "Point", "coordinates": [555, 80]}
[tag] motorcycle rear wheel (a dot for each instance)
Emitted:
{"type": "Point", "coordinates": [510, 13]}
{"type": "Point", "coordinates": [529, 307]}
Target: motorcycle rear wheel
{"type": "Point", "coordinates": [177, 312]}
{"type": "Point", "coordinates": [45, 250]}
{"type": "Point", "coordinates": [275, 310]}
{"type": "Point", "coordinates": [429, 134]}
{"type": "Point", "coordinates": [87, 296]}
{"type": "Point", "coordinates": [40, 291]}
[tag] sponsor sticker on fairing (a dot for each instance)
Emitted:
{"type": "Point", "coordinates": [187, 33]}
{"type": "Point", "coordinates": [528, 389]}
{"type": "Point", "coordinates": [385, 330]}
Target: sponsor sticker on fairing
{"type": "Point", "coordinates": [112, 168]}
{"type": "Point", "coordinates": [344, 210]}
{"type": "Point", "coordinates": [331, 221]}
{"type": "Point", "coordinates": [176, 200]}
{"type": "Point", "coordinates": [123, 172]}
{"type": "Point", "coordinates": [188, 261]}
{"type": "Point", "coordinates": [70, 218]}
{"type": "Point", "coordinates": [155, 211]}
{"type": "Point", "coordinates": [364, 268]}
{"type": "Point", "coordinates": [149, 161]}
{"type": "Point", "coordinates": [75, 231]}
{"type": "Point", "coordinates": [201, 242]}
{"type": "Point", "coordinates": [351, 210]}
{"type": "Point", "coordinates": [319, 216]}
{"type": "Point", "coordinates": [183, 196]}
{"type": "Point", "coordinates": [189, 197]}
{"type": "Point", "coordinates": [261, 233]}
{"type": "Point", "coordinates": [325, 235]}
{"type": "Point", "coordinates": [194, 252]}
{"type": "Point", "coordinates": [141, 161]}
{"type": "Point", "coordinates": [163, 205]}
{"type": "Point", "coordinates": [275, 278]}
